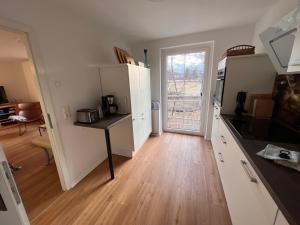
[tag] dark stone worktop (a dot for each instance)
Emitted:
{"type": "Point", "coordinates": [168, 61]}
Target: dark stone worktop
{"type": "Point", "coordinates": [282, 183]}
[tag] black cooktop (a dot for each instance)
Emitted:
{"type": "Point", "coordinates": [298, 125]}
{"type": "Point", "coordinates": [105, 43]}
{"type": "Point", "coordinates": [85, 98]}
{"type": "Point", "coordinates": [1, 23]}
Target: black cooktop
{"type": "Point", "coordinates": [264, 129]}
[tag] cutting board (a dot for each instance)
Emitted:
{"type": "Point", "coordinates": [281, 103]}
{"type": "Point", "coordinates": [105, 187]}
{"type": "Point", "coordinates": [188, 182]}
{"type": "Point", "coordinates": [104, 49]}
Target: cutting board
{"type": "Point", "coordinates": [253, 97]}
{"type": "Point", "coordinates": [263, 108]}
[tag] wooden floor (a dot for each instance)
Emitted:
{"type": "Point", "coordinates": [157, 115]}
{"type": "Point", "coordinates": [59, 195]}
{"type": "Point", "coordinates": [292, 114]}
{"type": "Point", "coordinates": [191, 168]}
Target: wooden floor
{"type": "Point", "coordinates": [172, 180]}
{"type": "Point", "coordinates": [38, 183]}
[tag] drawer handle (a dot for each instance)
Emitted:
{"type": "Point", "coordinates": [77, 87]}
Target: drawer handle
{"type": "Point", "coordinates": [221, 157]}
{"type": "Point", "coordinates": [248, 171]}
{"type": "Point", "coordinates": [216, 116]}
{"type": "Point", "coordinates": [223, 140]}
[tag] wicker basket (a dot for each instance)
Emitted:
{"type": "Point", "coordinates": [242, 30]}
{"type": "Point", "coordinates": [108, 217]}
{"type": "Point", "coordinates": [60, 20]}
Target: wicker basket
{"type": "Point", "coordinates": [240, 50]}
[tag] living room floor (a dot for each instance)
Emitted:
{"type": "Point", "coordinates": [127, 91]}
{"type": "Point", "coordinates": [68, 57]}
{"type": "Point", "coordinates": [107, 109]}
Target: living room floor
{"type": "Point", "coordinates": [38, 183]}
{"type": "Point", "coordinates": [173, 179]}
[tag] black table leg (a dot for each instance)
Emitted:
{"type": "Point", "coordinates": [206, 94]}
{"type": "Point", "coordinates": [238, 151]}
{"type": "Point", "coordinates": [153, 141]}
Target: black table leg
{"type": "Point", "coordinates": [108, 147]}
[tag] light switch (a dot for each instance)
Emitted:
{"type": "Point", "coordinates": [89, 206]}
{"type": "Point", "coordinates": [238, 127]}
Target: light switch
{"type": "Point", "coordinates": [57, 83]}
{"type": "Point", "coordinates": [66, 112]}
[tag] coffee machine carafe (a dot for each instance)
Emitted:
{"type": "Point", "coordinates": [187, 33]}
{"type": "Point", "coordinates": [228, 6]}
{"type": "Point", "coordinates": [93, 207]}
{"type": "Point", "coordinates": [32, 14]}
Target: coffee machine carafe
{"type": "Point", "coordinates": [240, 103]}
{"type": "Point", "coordinates": [108, 105]}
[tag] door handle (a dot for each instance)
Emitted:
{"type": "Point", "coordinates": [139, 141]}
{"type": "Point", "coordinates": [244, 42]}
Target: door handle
{"type": "Point", "coordinates": [223, 140]}
{"type": "Point", "coordinates": [248, 171]}
{"type": "Point", "coordinates": [216, 116]}
{"type": "Point", "coordinates": [50, 121]}
{"type": "Point", "coordinates": [221, 157]}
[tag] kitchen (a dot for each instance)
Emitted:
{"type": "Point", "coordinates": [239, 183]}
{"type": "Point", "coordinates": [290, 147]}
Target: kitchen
{"type": "Point", "coordinates": [259, 191]}
{"type": "Point", "coordinates": [213, 115]}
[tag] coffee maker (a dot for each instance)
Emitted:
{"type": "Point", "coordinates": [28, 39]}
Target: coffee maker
{"type": "Point", "coordinates": [108, 105]}
{"type": "Point", "coordinates": [240, 103]}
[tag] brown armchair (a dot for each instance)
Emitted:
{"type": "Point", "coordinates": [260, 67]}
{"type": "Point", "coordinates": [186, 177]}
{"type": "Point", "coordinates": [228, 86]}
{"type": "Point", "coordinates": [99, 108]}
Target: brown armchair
{"type": "Point", "coordinates": [30, 111]}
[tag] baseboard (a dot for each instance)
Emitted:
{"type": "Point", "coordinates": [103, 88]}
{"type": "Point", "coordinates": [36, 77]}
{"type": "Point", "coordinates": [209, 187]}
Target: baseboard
{"type": "Point", "coordinates": [88, 170]}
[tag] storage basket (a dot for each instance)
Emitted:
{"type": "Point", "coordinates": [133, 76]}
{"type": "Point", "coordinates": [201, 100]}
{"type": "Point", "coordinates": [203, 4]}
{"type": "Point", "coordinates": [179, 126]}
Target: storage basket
{"type": "Point", "coordinates": [239, 50]}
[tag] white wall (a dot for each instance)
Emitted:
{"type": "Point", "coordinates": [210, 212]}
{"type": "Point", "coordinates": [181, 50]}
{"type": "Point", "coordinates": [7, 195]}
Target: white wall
{"type": "Point", "coordinates": [67, 43]}
{"type": "Point", "coordinates": [223, 39]}
{"type": "Point", "coordinates": [31, 81]}
{"type": "Point", "coordinates": [13, 79]}
{"type": "Point", "coordinates": [272, 16]}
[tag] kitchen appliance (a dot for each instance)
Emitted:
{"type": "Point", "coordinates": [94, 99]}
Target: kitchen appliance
{"type": "Point", "coordinates": [87, 115]}
{"type": "Point", "coordinates": [11, 207]}
{"type": "Point", "coordinates": [270, 130]}
{"type": "Point", "coordinates": [108, 105]}
{"type": "Point", "coordinates": [240, 103]}
{"type": "Point", "coordinates": [282, 42]}
{"type": "Point", "coordinates": [219, 92]}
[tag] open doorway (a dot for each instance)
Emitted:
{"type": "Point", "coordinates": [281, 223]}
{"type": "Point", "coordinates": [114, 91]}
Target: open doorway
{"type": "Point", "coordinates": [184, 72]}
{"type": "Point", "coordinates": [23, 132]}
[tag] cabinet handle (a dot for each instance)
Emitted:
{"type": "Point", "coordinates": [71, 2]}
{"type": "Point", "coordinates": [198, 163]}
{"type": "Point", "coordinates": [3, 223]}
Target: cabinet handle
{"type": "Point", "coordinates": [223, 140]}
{"type": "Point", "coordinates": [221, 157]}
{"type": "Point", "coordinates": [248, 171]}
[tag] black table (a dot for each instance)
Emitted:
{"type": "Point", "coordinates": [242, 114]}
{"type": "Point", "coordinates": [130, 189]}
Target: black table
{"type": "Point", "coordinates": [105, 124]}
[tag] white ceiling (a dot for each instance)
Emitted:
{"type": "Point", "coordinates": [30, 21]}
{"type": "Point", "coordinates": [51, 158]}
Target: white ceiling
{"type": "Point", "coordinates": [12, 45]}
{"type": "Point", "coordinates": [144, 20]}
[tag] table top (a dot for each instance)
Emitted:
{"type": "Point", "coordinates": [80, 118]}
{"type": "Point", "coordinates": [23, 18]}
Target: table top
{"type": "Point", "coordinates": [8, 105]}
{"type": "Point", "coordinates": [106, 123]}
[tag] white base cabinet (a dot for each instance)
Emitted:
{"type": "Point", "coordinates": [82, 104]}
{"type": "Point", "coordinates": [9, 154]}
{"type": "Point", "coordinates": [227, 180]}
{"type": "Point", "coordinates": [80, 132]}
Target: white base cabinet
{"type": "Point", "coordinates": [130, 85]}
{"type": "Point", "coordinates": [248, 200]}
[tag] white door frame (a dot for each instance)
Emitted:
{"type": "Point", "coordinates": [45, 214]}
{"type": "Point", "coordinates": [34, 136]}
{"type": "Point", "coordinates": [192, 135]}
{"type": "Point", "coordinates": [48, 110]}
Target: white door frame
{"type": "Point", "coordinates": [197, 47]}
{"type": "Point", "coordinates": [45, 98]}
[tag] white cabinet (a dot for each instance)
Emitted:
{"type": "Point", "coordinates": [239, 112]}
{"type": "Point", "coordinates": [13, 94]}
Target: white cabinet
{"type": "Point", "coordinates": [130, 85]}
{"type": "Point", "coordinates": [280, 219]}
{"type": "Point", "coordinates": [247, 198]}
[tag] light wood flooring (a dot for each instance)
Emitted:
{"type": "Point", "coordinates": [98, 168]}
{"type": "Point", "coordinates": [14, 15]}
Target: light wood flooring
{"type": "Point", "coordinates": [173, 179]}
{"type": "Point", "coordinates": [38, 183]}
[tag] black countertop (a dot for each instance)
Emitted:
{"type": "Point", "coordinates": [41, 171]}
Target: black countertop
{"type": "Point", "coordinates": [282, 183]}
{"type": "Point", "coordinates": [106, 123]}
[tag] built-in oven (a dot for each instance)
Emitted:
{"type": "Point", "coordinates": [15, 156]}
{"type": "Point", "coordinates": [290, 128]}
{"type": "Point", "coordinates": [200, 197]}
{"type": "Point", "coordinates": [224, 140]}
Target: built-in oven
{"type": "Point", "coordinates": [218, 97]}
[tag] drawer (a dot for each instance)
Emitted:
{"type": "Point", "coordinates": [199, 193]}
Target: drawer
{"type": "Point", "coordinates": [260, 192]}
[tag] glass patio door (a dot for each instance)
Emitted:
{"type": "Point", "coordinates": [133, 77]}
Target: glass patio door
{"type": "Point", "coordinates": [184, 77]}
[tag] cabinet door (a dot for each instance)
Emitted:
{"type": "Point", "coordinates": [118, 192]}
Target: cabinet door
{"type": "Point", "coordinates": [145, 95]}
{"type": "Point", "coordinates": [215, 127]}
{"type": "Point", "coordinates": [134, 82]}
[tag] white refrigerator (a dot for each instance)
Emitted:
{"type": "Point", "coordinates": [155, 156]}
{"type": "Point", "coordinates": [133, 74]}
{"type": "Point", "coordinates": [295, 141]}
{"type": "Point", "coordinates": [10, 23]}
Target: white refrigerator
{"type": "Point", "coordinates": [12, 211]}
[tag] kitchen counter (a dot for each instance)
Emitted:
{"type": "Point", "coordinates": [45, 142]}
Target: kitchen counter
{"type": "Point", "coordinates": [282, 183]}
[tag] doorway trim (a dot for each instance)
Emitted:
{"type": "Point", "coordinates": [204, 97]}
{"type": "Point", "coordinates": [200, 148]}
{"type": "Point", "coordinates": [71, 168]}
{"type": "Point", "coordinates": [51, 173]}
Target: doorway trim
{"type": "Point", "coordinates": [208, 47]}
{"type": "Point", "coordinates": [45, 98]}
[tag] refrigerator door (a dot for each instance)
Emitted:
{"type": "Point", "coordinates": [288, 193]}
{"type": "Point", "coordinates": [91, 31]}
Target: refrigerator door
{"type": "Point", "coordinates": [12, 211]}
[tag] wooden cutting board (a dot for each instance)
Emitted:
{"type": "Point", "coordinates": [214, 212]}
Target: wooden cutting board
{"type": "Point", "coordinates": [263, 108]}
{"type": "Point", "coordinates": [253, 97]}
